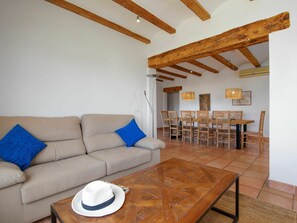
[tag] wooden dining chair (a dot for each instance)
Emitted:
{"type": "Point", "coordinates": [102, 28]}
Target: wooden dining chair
{"type": "Point", "coordinates": [174, 129]}
{"type": "Point", "coordinates": [213, 117]}
{"type": "Point", "coordinates": [238, 115]}
{"type": "Point", "coordinates": [223, 128]}
{"type": "Point", "coordinates": [252, 137]}
{"type": "Point", "coordinates": [187, 125]}
{"type": "Point", "coordinates": [165, 122]}
{"type": "Point", "coordinates": [235, 115]}
{"type": "Point", "coordinates": [203, 129]}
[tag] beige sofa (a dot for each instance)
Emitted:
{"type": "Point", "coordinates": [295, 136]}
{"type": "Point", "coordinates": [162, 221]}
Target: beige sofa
{"type": "Point", "coordinates": [77, 152]}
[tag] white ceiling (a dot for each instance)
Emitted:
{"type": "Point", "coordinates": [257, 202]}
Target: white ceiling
{"type": "Point", "coordinates": [174, 13]}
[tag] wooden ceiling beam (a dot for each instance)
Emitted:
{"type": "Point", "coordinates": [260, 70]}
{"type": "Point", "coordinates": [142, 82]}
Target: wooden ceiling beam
{"type": "Point", "coordinates": [197, 8]}
{"type": "Point", "coordinates": [203, 66]}
{"type": "Point", "coordinates": [186, 70]}
{"type": "Point", "coordinates": [248, 54]}
{"type": "Point", "coordinates": [171, 73]}
{"type": "Point", "coordinates": [165, 78]}
{"type": "Point", "coordinates": [159, 80]}
{"type": "Point", "coordinates": [172, 89]}
{"type": "Point", "coordinates": [247, 35]}
{"type": "Point", "coordinates": [143, 13]}
{"type": "Point", "coordinates": [91, 16]}
{"type": "Point", "coordinates": [222, 60]}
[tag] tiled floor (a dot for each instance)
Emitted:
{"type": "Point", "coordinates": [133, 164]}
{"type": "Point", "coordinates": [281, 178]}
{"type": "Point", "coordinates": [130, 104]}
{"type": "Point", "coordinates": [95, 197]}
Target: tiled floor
{"type": "Point", "coordinates": [252, 167]}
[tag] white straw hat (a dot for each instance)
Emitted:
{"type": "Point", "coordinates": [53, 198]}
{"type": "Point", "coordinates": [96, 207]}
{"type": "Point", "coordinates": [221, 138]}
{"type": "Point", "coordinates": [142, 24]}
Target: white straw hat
{"type": "Point", "coordinates": [98, 198]}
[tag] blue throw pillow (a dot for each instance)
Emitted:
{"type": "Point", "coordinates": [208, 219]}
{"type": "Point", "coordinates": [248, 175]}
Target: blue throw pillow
{"type": "Point", "coordinates": [130, 133]}
{"type": "Point", "coordinates": [19, 147]}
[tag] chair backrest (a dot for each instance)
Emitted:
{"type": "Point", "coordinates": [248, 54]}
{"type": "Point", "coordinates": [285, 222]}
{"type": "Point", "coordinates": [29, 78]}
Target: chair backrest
{"type": "Point", "coordinates": [203, 116]}
{"type": "Point", "coordinates": [186, 118]}
{"type": "Point", "coordinates": [184, 114]}
{"type": "Point", "coordinates": [173, 117]}
{"type": "Point", "coordinates": [214, 113]}
{"type": "Point", "coordinates": [261, 124]}
{"type": "Point", "coordinates": [194, 114]}
{"type": "Point", "coordinates": [223, 120]}
{"type": "Point", "coordinates": [236, 115]}
{"type": "Point", "coordinates": [203, 119]}
{"type": "Point", "coordinates": [164, 115]}
{"type": "Point", "coordinates": [172, 114]}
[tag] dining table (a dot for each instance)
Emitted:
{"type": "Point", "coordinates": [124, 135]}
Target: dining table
{"type": "Point", "coordinates": [241, 125]}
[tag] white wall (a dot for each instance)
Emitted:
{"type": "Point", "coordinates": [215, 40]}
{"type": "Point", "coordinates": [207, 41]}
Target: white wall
{"type": "Point", "coordinates": [283, 106]}
{"type": "Point", "coordinates": [160, 103]}
{"type": "Point", "coordinates": [283, 78]}
{"type": "Point", "coordinates": [55, 63]}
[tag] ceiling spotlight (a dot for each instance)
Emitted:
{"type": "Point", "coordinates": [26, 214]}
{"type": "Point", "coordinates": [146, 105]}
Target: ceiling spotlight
{"type": "Point", "coordinates": [191, 71]}
{"type": "Point", "coordinates": [137, 19]}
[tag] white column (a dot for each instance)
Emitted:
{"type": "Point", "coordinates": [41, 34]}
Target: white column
{"type": "Point", "coordinates": [151, 104]}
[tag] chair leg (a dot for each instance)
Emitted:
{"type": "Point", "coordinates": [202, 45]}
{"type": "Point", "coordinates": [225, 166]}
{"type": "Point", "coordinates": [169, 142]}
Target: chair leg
{"type": "Point", "coordinates": [217, 139]}
{"type": "Point", "coordinates": [261, 144]}
{"type": "Point", "coordinates": [241, 140]}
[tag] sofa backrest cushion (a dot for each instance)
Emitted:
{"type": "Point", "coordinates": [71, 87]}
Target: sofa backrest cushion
{"type": "Point", "coordinates": [62, 135]}
{"type": "Point", "coordinates": [99, 130]}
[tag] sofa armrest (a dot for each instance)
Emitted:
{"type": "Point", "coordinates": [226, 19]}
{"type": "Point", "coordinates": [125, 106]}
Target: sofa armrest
{"type": "Point", "coordinates": [150, 143]}
{"type": "Point", "coordinates": [10, 174]}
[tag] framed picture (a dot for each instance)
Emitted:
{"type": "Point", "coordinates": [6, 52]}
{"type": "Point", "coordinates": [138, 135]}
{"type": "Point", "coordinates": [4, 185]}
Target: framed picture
{"type": "Point", "coordinates": [245, 100]}
{"type": "Point", "coordinates": [204, 102]}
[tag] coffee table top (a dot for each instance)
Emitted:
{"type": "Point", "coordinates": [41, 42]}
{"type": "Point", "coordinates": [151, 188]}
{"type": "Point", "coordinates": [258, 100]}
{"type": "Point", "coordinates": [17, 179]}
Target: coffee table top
{"type": "Point", "coordinates": [172, 191]}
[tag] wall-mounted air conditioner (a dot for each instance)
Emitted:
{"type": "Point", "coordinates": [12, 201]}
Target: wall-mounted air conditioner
{"type": "Point", "coordinates": [254, 72]}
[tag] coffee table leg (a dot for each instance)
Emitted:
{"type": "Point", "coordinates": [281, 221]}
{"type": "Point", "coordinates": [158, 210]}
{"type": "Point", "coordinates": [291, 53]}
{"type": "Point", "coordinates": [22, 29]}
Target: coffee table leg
{"type": "Point", "coordinates": [236, 200]}
{"type": "Point", "coordinates": [53, 216]}
{"type": "Point", "coordinates": [236, 216]}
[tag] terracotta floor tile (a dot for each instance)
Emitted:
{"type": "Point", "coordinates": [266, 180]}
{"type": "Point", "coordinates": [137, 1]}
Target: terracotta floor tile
{"type": "Point", "coordinates": [263, 158]}
{"type": "Point", "coordinates": [232, 188]}
{"type": "Point", "coordinates": [230, 156]}
{"type": "Point", "coordinates": [255, 174]}
{"type": "Point", "coordinates": [260, 169]}
{"type": "Point", "coordinates": [295, 205]}
{"type": "Point", "coordinates": [249, 191]}
{"type": "Point", "coordinates": [281, 186]}
{"type": "Point", "coordinates": [277, 192]}
{"type": "Point", "coordinates": [239, 164]}
{"type": "Point", "coordinates": [200, 161]}
{"type": "Point", "coordinates": [216, 164]}
{"type": "Point", "coordinates": [246, 158]}
{"type": "Point", "coordinates": [276, 199]}
{"type": "Point", "coordinates": [261, 163]}
{"type": "Point", "coordinates": [208, 157]}
{"type": "Point", "coordinates": [222, 160]}
{"type": "Point", "coordinates": [251, 182]}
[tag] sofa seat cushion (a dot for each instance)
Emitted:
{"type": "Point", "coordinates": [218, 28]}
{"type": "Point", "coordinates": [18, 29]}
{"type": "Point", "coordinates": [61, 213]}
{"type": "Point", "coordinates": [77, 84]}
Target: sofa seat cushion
{"type": "Point", "coordinates": [47, 179]}
{"type": "Point", "coordinates": [122, 158]}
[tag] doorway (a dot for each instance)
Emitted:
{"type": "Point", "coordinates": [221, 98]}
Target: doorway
{"type": "Point", "coordinates": [173, 101]}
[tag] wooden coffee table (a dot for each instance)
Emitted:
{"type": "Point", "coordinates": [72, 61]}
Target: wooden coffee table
{"type": "Point", "coordinates": [172, 191]}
